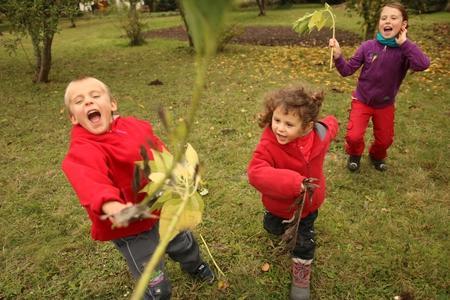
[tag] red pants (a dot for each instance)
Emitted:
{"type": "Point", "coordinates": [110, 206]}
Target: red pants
{"type": "Point", "coordinates": [383, 129]}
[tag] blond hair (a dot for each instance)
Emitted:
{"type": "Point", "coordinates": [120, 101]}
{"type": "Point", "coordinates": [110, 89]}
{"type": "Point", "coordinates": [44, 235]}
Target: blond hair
{"type": "Point", "coordinates": [102, 84]}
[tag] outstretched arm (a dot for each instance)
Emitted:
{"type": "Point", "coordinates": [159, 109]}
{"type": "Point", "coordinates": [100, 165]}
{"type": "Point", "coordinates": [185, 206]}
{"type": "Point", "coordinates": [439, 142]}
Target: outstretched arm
{"type": "Point", "coordinates": [87, 171]}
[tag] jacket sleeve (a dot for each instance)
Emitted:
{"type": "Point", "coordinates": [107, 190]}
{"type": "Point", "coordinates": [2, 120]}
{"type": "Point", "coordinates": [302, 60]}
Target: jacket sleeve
{"type": "Point", "coordinates": [347, 68]}
{"type": "Point", "coordinates": [273, 182]}
{"type": "Point", "coordinates": [418, 61]}
{"type": "Point", "coordinates": [87, 170]}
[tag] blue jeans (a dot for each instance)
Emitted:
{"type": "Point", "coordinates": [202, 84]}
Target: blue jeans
{"type": "Point", "coordinates": [305, 246]}
{"type": "Point", "coordinates": [138, 249]}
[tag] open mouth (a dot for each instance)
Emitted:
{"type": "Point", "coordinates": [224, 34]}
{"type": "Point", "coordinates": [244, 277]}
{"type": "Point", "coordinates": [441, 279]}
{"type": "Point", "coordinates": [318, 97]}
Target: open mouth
{"type": "Point", "coordinates": [387, 29]}
{"type": "Point", "coordinates": [94, 115]}
{"type": "Point", "coordinates": [281, 137]}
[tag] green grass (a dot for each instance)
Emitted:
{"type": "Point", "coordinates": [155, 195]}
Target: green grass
{"type": "Point", "coordinates": [379, 234]}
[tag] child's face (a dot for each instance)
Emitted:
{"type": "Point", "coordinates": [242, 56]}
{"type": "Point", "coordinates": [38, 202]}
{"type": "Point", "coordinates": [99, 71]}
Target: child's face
{"type": "Point", "coordinates": [391, 22]}
{"type": "Point", "coordinates": [90, 105]}
{"type": "Point", "coordinates": [288, 127]}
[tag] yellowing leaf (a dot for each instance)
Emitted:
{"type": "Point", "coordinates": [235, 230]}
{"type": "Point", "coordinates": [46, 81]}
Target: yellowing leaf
{"type": "Point", "coordinates": [165, 197]}
{"type": "Point", "coordinates": [191, 155]}
{"type": "Point", "coordinates": [180, 172]}
{"type": "Point", "coordinates": [188, 220]}
{"type": "Point", "coordinates": [223, 285]}
{"type": "Point", "coordinates": [157, 177]}
{"type": "Point", "coordinates": [321, 23]}
{"type": "Point", "coordinates": [315, 18]}
{"type": "Point", "coordinates": [161, 161]}
{"type": "Point", "coordinates": [196, 203]}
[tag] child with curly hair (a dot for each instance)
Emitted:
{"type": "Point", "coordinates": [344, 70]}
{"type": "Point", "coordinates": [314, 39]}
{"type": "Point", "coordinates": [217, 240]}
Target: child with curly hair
{"type": "Point", "coordinates": [288, 162]}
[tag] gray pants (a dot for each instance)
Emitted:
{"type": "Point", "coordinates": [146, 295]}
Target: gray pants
{"type": "Point", "coordinates": [138, 249]}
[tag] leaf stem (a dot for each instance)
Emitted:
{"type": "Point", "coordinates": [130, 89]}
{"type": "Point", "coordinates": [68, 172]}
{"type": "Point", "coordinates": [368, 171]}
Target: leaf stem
{"type": "Point", "coordinates": [202, 63]}
{"type": "Point", "coordinates": [142, 284]}
{"type": "Point", "coordinates": [334, 34]}
{"type": "Point", "coordinates": [210, 255]}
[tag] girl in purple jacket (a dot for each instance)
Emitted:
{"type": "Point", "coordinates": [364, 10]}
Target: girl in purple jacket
{"type": "Point", "coordinates": [385, 61]}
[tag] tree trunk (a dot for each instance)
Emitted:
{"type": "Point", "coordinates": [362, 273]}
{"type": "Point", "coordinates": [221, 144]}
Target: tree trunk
{"type": "Point", "coordinates": [134, 30]}
{"type": "Point", "coordinates": [46, 61]}
{"type": "Point", "coordinates": [191, 42]}
{"type": "Point", "coordinates": [37, 55]}
{"type": "Point", "coordinates": [262, 7]}
{"type": "Point", "coordinates": [72, 22]}
{"type": "Point", "coordinates": [133, 9]}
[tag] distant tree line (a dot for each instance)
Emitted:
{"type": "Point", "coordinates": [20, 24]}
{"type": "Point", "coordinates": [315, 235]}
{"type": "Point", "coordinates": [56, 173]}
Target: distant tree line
{"type": "Point", "coordinates": [39, 19]}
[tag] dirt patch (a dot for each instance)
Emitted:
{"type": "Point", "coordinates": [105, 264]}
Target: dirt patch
{"type": "Point", "coordinates": [270, 36]}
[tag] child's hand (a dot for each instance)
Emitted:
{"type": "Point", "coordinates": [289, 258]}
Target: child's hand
{"type": "Point", "coordinates": [113, 207]}
{"type": "Point", "coordinates": [333, 43]}
{"type": "Point", "coordinates": [401, 37]}
{"type": "Point", "coordinates": [309, 185]}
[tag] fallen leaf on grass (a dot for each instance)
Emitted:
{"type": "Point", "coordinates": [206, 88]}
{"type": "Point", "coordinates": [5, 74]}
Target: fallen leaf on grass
{"type": "Point", "coordinates": [223, 285]}
{"type": "Point", "coordinates": [265, 267]}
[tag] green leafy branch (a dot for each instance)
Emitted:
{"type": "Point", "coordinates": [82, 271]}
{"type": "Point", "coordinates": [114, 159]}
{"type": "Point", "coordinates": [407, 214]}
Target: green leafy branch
{"type": "Point", "coordinates": [317, 20]}
{"type": "Point", "coordinates": [175, 179]}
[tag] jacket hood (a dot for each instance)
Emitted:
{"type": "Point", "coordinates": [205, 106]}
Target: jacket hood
{"type": "Point", "coordinates": [318, 131]}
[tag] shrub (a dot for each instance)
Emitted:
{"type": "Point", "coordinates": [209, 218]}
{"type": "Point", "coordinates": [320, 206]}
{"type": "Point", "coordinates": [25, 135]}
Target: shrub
{"type": "Point", "coordinates": [227, 35]}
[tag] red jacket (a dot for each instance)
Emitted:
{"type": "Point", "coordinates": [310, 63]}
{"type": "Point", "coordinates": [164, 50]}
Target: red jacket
{"type": "Point", "coordinates": [277, 171]}
{"type": "Point", "coordinates": [100, 169]}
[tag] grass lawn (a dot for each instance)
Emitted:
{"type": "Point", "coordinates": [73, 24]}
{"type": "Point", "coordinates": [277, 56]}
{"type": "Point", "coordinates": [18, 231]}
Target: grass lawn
{"type": "Point", "coordinates": [379, 234]}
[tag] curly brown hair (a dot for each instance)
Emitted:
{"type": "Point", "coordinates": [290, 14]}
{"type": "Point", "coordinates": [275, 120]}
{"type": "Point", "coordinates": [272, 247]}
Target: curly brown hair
{"type": "Point", "coordinates": [294, 98]}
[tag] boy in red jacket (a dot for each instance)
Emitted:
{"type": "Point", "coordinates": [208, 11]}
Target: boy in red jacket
{"type": "Point", "coordinates": [99, 165]}
{"type": "Point", "coordinates": [288, 157]}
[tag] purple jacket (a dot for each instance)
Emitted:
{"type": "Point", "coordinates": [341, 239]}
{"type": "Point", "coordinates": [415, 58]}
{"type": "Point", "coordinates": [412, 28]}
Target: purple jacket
{"type": "Point", "coordinates": [383, 70]}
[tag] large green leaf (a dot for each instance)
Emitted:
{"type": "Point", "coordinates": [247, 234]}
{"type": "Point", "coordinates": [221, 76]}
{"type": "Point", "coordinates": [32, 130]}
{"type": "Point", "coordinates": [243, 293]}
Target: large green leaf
{"type": "Point", "coordinates": [188, 220]}
{"type": "Point", "coordinates": [165, 197]}
{"type": "Point", "coordinates": [196, 202]}
{"type": "Point", "coordinates": [301, 25]}
{"type": "Point", "coordinates": [315, 18]}
{"type": "Point", "coordinates": [161, 161]}
{"type": "Point", "coordinates": [191, 155]}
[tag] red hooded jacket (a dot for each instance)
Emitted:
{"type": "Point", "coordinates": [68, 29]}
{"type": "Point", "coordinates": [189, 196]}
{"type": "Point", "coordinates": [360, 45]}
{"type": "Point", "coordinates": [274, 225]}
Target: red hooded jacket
{"type": "Point", "coordinates": [100, 169]}
{"type": "Point", "coordinates": [277, 171]}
